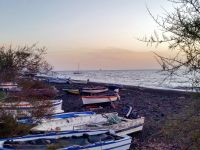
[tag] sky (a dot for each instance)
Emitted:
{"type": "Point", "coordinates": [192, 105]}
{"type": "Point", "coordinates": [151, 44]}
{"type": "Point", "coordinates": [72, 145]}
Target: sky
{"type": "Point", "coordinates": [97, 34]}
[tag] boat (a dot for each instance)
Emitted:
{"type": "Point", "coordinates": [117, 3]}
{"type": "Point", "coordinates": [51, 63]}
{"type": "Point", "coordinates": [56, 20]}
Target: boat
{"type": "Point", "coordinates": [72, 91]}
{"type": "Point", "coordinates": [75, 140]}
{"type": "Point", "coordinates": [78, 71]}
{"type": "Point", "coordinates": [24, 108]}
{"type": "Point", "coordinates": [31, 120]}
{"type": "Point", "coordinates": [94, 90]}
{"type": "Point", "coordinates": [42, 77]}
{"type": "Point", "coordinates": [120, 125]}
{"type": "Point", "coordinates": [72, 81]}
{"type": "Point", "coordinates": [57, 80]}
{"type": "Point", "coordinates": [114, 86]}
{"type": "Point", "coordinates": [8, 86]}
{"type": "Point", "coordinates": [99, 99]}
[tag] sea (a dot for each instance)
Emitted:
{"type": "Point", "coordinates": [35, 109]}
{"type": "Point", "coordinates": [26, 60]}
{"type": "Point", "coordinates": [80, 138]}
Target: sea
{"type": "Point", "coordinates": [142, 78]}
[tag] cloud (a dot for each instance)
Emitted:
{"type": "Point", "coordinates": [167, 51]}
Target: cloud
{"type": "Point", "coordinates": [108, 58]}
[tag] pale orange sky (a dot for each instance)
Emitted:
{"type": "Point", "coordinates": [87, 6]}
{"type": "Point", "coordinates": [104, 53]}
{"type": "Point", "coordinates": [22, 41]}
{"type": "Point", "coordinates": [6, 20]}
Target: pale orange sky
{"type": "Point", "coordinates": [98, 34]}
{"type": "Point", "coordinates": [106, 59]}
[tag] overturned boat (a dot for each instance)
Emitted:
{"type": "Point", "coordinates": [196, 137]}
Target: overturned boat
{"type": "Point", "coordinates": [120, 125]}
{"type": "Point", "coordinates": [94, 90]}
{"type": "Point", "coordinates": [75, 140]}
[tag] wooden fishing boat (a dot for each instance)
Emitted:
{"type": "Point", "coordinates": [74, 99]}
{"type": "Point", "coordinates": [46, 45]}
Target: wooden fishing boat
{"type": "Point", "coordinates": [99, 99]}
{"type": "Point", "coordinates": [120, 125]}
{"type": "Point", "coordinates": [94, 90]}
{"type": "Point", "coordinates": [75, 140]}
{"type": "Point", "coordinates": [72, 91]}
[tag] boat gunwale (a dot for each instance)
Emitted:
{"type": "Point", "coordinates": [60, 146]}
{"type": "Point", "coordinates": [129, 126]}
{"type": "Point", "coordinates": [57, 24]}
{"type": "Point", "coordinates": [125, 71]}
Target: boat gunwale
{"type": "Point", "coordinates": [90, 97]}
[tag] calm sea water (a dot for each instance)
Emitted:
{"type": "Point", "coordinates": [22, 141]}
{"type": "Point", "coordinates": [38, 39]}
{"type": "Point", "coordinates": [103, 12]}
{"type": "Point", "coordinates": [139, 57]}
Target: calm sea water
{"type": "Point", "coordinates": [143, 78]}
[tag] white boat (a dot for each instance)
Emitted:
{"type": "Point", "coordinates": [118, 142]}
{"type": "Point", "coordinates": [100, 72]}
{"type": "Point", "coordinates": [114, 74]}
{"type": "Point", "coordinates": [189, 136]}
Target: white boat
{"type": "Point", "coordinates": [25, 108]}
{"type": "Point", "coordinates": [75, 140]}
{"type": "Point", "coordinates": [8, 85]}
{"type": "Point", "coordinates": [72, 81]}
{"type": "Point", "coordinates": [99, 99]}
{"type": "Point", "coordinates": [120, 125]}
{"type": "Point", "coordinates": [94, 90]}
{"type": "Point", "coordinates": [78, 71]}
{"type": "Point", "coordinates": [32, 120]}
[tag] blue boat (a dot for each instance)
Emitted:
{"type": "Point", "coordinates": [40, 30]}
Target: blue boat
{"type": "Point", "coordinates": [30, 120]}
{"type": "Point", "coordinates": [69, 140]}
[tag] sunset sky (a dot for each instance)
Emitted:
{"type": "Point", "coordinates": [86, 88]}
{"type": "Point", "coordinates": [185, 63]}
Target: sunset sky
{"type": "Point", "coordinates": [98, 34]}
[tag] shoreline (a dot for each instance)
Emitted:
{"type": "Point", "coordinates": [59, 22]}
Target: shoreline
{"type": "Point", "coordinates": [146, 88]}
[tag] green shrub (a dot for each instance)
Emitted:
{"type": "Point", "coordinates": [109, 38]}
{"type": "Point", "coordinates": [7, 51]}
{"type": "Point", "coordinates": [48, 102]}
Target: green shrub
{"type": "Point", "coordinates": [10, 128]}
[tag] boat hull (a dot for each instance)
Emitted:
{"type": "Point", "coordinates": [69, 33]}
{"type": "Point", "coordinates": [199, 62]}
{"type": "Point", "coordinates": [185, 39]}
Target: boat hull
{"type": "Point", "coordinates": [25, 108]}
{"type": "Point", "coordinates": [58, 81]}
{"type": "Point", "coordinates": [71, 81]}
{"type": "Point", "coordinates": [98, 99]}
{"type": "Point", "coordinates": [72, 91]}
{"type": "Point", "coordinates": [93, 122]}
{"type": "Point", "coordinates": [8, 86]}
{"type": "Point", "coordinates": [29, 120]}
{"type": "Point", "coordinates": [94, 91]}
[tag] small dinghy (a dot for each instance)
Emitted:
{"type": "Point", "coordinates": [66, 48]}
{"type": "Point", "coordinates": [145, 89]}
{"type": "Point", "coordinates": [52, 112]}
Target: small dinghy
{"type": "Point", "coordinates": [99, 99]}
{"type": "Point", "coordinates": [94, 90]}
{"type": "Point", "coordinates": [120, 125]}
{"type": "Point", "coordinates": [75, 140]}
{"type": "Point", "coordinates": [72, 91]}
{"type": "Point", "coordinates": [30, 120]}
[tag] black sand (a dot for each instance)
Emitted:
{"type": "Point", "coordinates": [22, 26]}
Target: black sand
{"type": "Point", "coordinates": [154, 104]}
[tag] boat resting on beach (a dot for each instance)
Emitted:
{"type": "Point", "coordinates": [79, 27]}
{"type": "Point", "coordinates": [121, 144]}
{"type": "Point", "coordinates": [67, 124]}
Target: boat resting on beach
{"type": "Point", "coordinates": [72, 91]}
{"type": "Point", "coordinates": [72, 81]}
{"type": "Point", "coordinates": [9, 86]}
{"type": "Point", "coordinates": [75, 140]}
{"type": "Point", "coordinates": [57, 80]}
{"type": "Point", "coordinates": [99, 99]}
{"type": "Point", "coordinates": [25, 107]}
{"type": "Point", "coordinates": [120, 125]}
{"type": "Point", "coordinates": [30, 120]}
{"type": "Point", "coordinates": [94, 90]}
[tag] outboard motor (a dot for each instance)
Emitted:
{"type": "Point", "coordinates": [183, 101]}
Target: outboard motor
{"type": "Point", "coordinates": [129, 113]}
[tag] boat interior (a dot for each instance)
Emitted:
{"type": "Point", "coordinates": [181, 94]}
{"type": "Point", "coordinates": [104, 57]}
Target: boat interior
{"type": "Point", "coordinates": [53, 143]}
